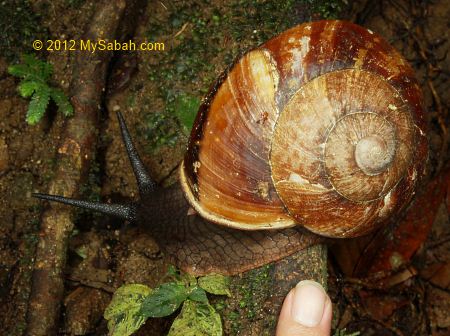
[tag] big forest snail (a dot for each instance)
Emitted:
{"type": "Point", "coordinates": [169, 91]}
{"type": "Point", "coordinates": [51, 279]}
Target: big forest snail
{"type": "Point", "coordinates": [321, 128]}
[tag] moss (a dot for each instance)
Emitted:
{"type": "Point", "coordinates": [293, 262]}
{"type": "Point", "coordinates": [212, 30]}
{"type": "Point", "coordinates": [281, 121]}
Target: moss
{"type": "Point", "coordinates": [20, 26]}
{"type": "Point", "coordinates": [219, 305]}
{"type": "Point", "coordinates": [26, 262]}
{"type": "Point", "coordinates": [234, 318]}
{"type": "Point", "coordinates": [131, 100]}
{"type": "Point", "coordinates": [75, 3]}
{"type": "Point", "coordinates": [257, 279]}
{"type": "Point", "coordinates": [90, 190]}
{"type": "Point", "coordinates": [202, 39]}
{"type": "Point", "coordinates": [327, 9]}
{"type": "Point", "coordinates": [21, 328]}
{"type": "Point", "coordinates": [159, 129]}
{"type": "Point", "coordinates": [247, 290]}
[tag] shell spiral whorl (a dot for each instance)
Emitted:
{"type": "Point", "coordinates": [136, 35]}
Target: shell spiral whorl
{"type": "Point", "coordinates": [354, 136]}
{"type": "Point", "coordinates": [321, 126]}
{"type": "Point", "coordinates": [374, 154]}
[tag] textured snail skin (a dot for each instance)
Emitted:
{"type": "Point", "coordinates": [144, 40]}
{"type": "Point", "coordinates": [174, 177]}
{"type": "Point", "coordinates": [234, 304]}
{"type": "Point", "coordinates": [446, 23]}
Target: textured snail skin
{"type": "Point", "coordinates": [320, 127]}
{"type": "Point", "coordinates": [199, 247]}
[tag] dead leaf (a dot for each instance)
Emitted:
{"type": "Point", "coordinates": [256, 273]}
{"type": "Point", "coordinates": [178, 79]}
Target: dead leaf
{"type": "Point", "coordinates": [394, 245]}
{"type": "Point", "coordinates": [438, 274]}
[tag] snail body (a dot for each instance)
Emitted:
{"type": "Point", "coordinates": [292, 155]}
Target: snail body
{"type": "Point", "coordinates": [320, 127]}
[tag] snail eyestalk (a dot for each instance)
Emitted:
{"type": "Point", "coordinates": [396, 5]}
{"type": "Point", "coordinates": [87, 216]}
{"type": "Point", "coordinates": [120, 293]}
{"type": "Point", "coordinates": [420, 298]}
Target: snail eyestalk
{"type": "Point", "coordinates": [123, 211]}
{"type": "Point", "coordinates": [145, 183]}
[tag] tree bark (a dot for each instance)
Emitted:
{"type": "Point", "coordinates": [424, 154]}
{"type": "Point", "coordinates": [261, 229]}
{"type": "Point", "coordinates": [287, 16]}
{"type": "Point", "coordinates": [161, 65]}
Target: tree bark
{"type": "Point", "coordinates": [257, 295]}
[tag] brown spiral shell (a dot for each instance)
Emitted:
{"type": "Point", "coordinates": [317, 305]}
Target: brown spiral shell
{"type": "Point", "coordinates": [321, 126]}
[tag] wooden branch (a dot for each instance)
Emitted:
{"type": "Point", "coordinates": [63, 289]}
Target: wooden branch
{"type": "Point", "coordinates": [74, 156]}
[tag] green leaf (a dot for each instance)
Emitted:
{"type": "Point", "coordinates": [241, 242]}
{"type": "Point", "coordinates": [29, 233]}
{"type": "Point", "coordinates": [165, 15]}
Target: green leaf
{"type": "Point", "coordinates": [189, 280]}
{"type": "Point", "coordinates": [198, 294]}
{"type": "Point", "coordinates": [164, 300]}
{"type": "Point", "coordinates": [62, 101]}
{"type": "Point", "coordinates": [173, 271]}
{"type": "Point", "coordinates": [38, 105]}
{"type": "Point", "coordinates": [123, 312]}
{"type": "Point", "coordinates": [215, 284]}
{"type": "Point", "coordinates": [185, 108]}
{"type": "Point", "coordinates": [27, 88]}
{"type": "Point", "coordinates": [196, 319]}
{"type": "Point", "coordinates": [82, 251]}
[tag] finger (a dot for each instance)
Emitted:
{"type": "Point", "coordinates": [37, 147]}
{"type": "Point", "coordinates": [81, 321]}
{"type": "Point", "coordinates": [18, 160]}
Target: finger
{"type": "Point", "coordinates": [306, 311]}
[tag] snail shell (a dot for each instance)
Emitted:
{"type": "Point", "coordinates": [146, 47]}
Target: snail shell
{"type": "Point", "coordinates": [321, 126]}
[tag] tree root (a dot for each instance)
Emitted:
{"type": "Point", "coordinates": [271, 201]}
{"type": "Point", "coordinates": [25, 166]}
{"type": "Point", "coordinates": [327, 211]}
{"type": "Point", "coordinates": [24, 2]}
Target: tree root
{"type": "Point", "coordinates": [257, 295]}
{"type": "Point", "coordinates": [74, 155]}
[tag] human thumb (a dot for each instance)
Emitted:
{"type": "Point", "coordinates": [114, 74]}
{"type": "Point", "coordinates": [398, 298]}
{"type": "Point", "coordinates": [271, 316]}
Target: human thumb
{"type": "Point", "coordinates": [306, 311]}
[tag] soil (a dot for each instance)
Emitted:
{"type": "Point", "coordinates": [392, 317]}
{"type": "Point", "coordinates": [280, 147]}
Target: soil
{"type": "Point", "coordinates": [105, 254]}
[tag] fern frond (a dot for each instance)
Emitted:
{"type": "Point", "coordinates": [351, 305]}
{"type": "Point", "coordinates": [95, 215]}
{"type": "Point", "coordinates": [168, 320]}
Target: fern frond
{"type": "Point", "coordinates": [39, 68]}
{"type": "Point", "coordinates": [27, 88]}
{"type": "Point", "coordinates": [35, 74]}
{"type": "Point", "coordinates": [21, 70]}
{"type": "Point", "coordinates": [38, 105]}
{"type": "Point", "coordinates": [62, 101]}
{"type": "Point", "coordinates": [46, 70]}
{"type": "Point", "coordinates": [32, 69]}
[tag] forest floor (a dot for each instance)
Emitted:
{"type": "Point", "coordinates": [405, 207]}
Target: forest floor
{"type": "Point", "coordinates": [414, 298]}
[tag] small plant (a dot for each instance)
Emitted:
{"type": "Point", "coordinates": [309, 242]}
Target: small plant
{"type": "Point", "coordinates": [133, 304]}
{"type": "Point", "coordinates": [166, 127]}
{"type": "Point", "coordinates": [35, 75]}
{"type": "Point", "coordinates": [185, 108]}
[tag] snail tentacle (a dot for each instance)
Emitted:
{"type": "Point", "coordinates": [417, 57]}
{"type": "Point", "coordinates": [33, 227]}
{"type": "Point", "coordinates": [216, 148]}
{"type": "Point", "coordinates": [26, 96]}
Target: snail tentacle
{"type": "Point", "coordinates": [124, 211]}
{"type": "Point", "coordinates": [145, 183]}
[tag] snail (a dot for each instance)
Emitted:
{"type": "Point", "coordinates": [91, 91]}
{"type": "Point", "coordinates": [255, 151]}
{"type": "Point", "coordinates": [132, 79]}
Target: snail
{"type": "Point", "coordinates": [320, 129]}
